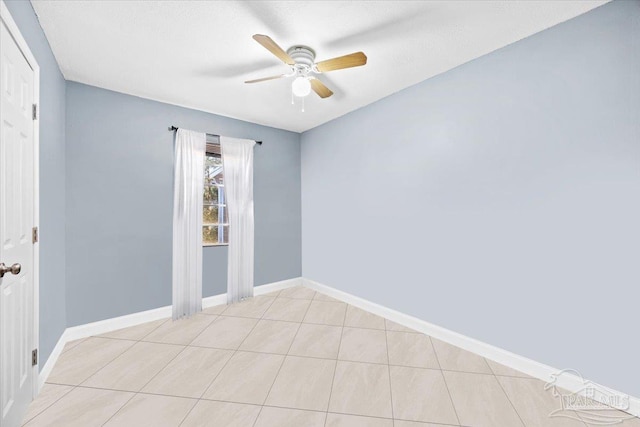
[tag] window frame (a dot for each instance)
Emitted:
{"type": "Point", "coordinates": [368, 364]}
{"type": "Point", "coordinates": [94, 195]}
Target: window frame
{"type": "Point", "coordinates": [222, 206]}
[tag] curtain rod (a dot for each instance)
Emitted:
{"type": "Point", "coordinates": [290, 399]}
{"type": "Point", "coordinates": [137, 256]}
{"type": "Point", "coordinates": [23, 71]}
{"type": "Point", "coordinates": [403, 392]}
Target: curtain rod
{"type": "Point", "coordinates": [173, 128]}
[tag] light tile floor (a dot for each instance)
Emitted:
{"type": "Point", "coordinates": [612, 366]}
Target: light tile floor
{"type": "Point", "coordinates": [291, 358]}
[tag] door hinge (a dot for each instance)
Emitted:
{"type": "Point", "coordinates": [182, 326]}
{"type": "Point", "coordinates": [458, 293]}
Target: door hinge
{"type": "Point", "coordinates": [34, 235]}
{"type": "Point", "coordinates": [34, 357]}
{"type": "Point", "coordinates": [34, 110]}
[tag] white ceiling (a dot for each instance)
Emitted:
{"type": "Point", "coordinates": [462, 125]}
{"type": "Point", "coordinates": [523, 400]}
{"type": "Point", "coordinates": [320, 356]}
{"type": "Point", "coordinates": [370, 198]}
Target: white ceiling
{"type": "Point", "coordinates": [198, 53]}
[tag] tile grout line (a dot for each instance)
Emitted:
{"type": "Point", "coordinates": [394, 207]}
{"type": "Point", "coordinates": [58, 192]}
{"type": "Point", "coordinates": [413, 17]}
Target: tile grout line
{"type": "Point", "coordinates": [453, 405]}
{"type": "Point", "coordinates": [111, 360]}
{"type": "Point", "coordinates": [240, 402]}
{"type": "Point", "coordinates": [129, 348]}
{"type": "Point", "coordinates": [326, 358]}
{"type": "Point", "coordinates": [235, 351]}
{"type": "Point", "coordinates": [83, 381]}
{"type": "Point", "coordinates": [270, 353]}
{"type": "Point", "coordinates": [24, 422]}
{"type": "Point", "coordinates": [255, 404]}
{"type": "Point", "coordinates": [486, 364]}
{"type": "Point", "coordinates": [120, 408]}
{"type": "Point", "coordinates": [79, 341]}
{"type": "Point", "coordinates": [139, 339]}
{"type": "Point", "coordinates": [312, 357]}
{"type": "Point", "coordinates": [285, 356]}
{"type": "Point", "coordinates": [313, 323]}
{"type": "Point", "coordinates": [135, 393]}
{"type": "Point", "coordinates": [117, 357]}
{"type": "Point", "coordinates": [217, 318]}
{"type": "Point", "coordinates": [505, 392]}
{"type": "Point", "coordinates": [507, 395]}
{"type": "Point", "coordinates": [283, 360]}
{"type": "Point", "coordinates": [335, 371]}
{"type": "Point", "coordinates": [509, 399]}
{"type": "Point", "coordinates": [173, 358]}
{"type": "Point", "coordinates": [340, 360]}
{"type": "Point", "coordinates": [74, 386]}
{"type": "Point", "coordinates": [156, 374]}
{"type": "Point", "coordinates": [294, 338]}
{"type": "Point", "coordinates": [433, 348]}
{"type": "Point", "coordinates": [386, 340]}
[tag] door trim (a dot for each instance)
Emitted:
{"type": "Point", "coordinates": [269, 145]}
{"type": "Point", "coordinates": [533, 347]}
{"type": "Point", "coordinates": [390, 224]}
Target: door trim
{"type": "Point", "coordinates": [6, 17]}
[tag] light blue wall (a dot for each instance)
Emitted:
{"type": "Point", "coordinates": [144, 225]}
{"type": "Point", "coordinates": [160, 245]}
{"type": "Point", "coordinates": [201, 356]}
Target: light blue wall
{"type": "Point", "coordinates": [52, 179]}
{"type": "Point", "coordinates": [500, 199]}
{"type": "Point", "coordinates": [120, 202]}
{"type": "Point", "coordinates": [501, 196]}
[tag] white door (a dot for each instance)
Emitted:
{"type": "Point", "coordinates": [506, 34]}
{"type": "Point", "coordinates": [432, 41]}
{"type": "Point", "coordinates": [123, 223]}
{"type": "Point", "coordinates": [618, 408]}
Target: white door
{"type": "Point", "coordinates": [16, 222]}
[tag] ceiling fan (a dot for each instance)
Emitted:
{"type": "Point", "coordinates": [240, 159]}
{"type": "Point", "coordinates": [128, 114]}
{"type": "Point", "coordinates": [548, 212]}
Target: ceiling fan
{"type": "Point", "coordinates": [301, 59]}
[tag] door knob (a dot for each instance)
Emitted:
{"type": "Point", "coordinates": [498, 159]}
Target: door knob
{"type": "Point", "coordinates": [14, 269]}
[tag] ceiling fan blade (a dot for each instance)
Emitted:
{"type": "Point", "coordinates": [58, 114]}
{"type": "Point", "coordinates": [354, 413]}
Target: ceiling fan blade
{"type": "Point", "coordinates": [264, 79]}
{"type": "Point", "coordinates": [273, 47]}
{"type": "Point", "coordinates": [319, 88]}
{"type": "Point", "coordinates": [347, 61]}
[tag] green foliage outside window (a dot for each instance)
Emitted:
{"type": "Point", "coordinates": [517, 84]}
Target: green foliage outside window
{"type": "Point", "coordinates": [214, 211]}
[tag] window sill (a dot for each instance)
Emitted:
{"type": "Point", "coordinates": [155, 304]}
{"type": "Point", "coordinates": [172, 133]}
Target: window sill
{"type": "Point", "coordinates": [206, 245]}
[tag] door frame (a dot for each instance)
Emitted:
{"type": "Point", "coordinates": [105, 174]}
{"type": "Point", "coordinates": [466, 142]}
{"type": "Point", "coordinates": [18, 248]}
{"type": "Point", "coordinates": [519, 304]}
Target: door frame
{"type": "Point", "coordinates": [6, 17]}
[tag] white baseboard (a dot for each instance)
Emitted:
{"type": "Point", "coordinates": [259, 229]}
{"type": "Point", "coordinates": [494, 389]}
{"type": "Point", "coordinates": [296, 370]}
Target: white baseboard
{"type": "Point", "coordinates": [107, 325]}
{"type": "Point", "coordinates": [103, 326]}
{"type": "Point", "coordinates": [51, 361]}
{"type": "Point", "coordinates": [258, 290]}
{"type": "Point", "coordinates": [569, 382]}
{"type": "Point", "coordinates": [277, 286]}
{"type": "Point", "coordinates": [212, 301]}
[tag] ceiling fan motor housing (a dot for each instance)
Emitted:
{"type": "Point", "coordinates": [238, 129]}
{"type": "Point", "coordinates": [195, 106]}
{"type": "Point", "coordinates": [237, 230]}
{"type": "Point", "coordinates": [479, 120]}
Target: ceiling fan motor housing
{"type": "Point", "coordinates": [304, 57]}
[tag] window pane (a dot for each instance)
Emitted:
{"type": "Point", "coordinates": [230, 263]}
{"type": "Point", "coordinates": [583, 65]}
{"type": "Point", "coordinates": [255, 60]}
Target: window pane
{"type": "Point", "coordinates": [213, 234]}
{"type": "Point", "coordinates": [213, 170]}
{"type": "Point", "coordinates": [210, 194]}
{"type": "Point", "coordinates": [209, 235]}
{"type": "Point", "coordinates": [214, 211]}
{"type": "Point", "coordinates": [210, 214]}
{"type": "Point", "coordinates": [215, 179]}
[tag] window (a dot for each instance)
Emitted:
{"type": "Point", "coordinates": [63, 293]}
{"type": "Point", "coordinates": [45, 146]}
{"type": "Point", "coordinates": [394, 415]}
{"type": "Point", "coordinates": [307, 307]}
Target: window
{"type": "Point", "coordinates": [215, 222]}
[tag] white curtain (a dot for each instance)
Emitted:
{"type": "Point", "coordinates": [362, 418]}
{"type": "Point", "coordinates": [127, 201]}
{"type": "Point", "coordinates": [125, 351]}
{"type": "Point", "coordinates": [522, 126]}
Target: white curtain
{"type": "Point", "coordinates": [237, 162]}
{"type": "Point", "coordinates": [188, 190]}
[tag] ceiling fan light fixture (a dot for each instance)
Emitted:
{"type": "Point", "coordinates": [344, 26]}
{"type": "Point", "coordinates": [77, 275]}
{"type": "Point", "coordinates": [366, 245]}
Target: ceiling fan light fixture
{"type": "Point", "coordinates": [301, 86]}
{"type": "Point", "coordinates": [302, 62]}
